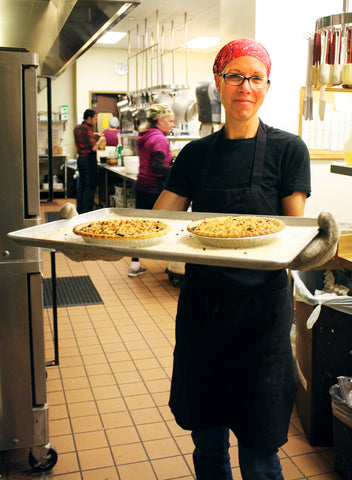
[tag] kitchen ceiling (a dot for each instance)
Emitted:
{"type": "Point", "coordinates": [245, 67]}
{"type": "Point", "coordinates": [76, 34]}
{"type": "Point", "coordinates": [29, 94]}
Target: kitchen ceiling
{"type": "Point", "coordinates": [202, 20]}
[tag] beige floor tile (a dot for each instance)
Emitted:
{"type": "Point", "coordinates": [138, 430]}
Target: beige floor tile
{"type": "Point", "coordinates": [96, 458]}
{"type": "Point", "coordinates": [167, 468]}
{"type": "Point", "coordinates": [60, 427]}
{"type": "Point", "coordinates": [100, 474]}
{"type": "Point", "coordinates": [111, 405]}
{"type": "Point", "coordinates": [312, 464]}
{"type": "Point", "coordinates": [146, 415]}
{"type": "Point", "coordinates": [62, 443]}
{"type": "Point", "coordinates": [131, 453]}
{"type": "Point", "coordinates": [142, 470]}
{"type": "Point", "coordinates": [54, 385]}
{"type": "Point", "coordinates": [157, 386]}
{"type": "Point", "coordinates": [139, 401]}
{"type": "Point", "coordinates": [102, 380]}
{"type": "Point", "coordinates": [58, 412]}
{"type": "Point", "coordinates": [133, 389]}
{"type": "Point", "coordinates": [82, 395]}
{"type": "Point", "coordinates": [185, 443]}
{"type": "Point", "coordinates": [75, 383]}
{"type": "Point", "coordinates": [116, 419]}
{"type": "Point", "coordinates": [161, 448]}
{"type": "Point", "coordinates": [153, 431]}
{"type": "Point", "coordinates": [297, 445]}
{"type": "Point", "coordinates": [108, 391]}
{"type": "Point", "coordinates": [89, 423]}
{"type": "Point", "coordinates": [131, 376]}
{"type": "Point", "coordinates": [290, 470]}
{"type": "Point", "coordinates": [68, 464]}
{"type": "Point", "coordinates": [82, 409]}
{"type": "Point", "coordinates": [55, 398]}
{"type": "Point", "coordinates": [94, 358]}
{"type": "Point", "coordinates": [90, 440]}
{"type": "Point", "coordinates": [122, 435]}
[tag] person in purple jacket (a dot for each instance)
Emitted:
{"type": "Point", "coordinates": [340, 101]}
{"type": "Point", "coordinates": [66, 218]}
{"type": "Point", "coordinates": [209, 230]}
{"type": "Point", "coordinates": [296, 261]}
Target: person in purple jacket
{"type": "Point", "coordinates": [155, 159]}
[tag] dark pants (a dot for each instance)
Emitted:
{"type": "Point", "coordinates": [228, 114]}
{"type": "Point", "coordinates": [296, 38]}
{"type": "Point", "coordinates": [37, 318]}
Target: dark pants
{"type": "Point", "coordinates": [212, 460]}
{"type": "Point", "coordinates": [86, 186]}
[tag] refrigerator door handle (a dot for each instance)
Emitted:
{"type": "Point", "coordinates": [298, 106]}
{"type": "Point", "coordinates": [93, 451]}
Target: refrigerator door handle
{"type": "Point", "coordinates": [31, 180]}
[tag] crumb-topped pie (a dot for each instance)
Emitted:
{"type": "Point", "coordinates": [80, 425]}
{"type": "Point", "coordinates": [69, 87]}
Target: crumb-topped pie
{"type": "Point", "coordinates": [143, 231]}
{"type": "Point", "coordinates": [238, 231]}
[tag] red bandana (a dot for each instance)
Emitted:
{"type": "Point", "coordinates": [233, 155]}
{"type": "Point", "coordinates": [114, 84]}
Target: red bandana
{"type": "Point", "coordinates": [243, 47]}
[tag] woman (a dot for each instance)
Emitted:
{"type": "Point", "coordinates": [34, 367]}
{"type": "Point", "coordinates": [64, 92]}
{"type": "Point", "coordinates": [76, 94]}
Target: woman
{"type": "Point", "coordinates": [233, 365]}
{"type": "Point", "coordinates": [155, 160]}
{"type": "Point", "coordinates": [111, 133]}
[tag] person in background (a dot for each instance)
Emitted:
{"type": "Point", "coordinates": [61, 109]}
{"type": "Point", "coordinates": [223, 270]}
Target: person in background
{"type": "Point", "coordinates": [111, 133]}
{"type": "Point", "coordinates": [233, 366]}
{"type": "Point", "coordinates": [87, 160]}
{"type": "Point", "coordinates": [155, 159]}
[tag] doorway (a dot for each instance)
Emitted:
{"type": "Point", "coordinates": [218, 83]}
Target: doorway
{"type": "Point", "coordinates": [104, 103]}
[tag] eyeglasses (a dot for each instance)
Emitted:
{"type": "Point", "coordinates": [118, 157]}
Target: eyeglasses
{"type": "Point", "coordinates": [236, 80]}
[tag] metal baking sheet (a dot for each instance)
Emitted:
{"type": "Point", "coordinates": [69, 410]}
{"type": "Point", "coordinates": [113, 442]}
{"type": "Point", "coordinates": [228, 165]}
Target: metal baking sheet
{"type": "Point", "coordinates": [178, 245]}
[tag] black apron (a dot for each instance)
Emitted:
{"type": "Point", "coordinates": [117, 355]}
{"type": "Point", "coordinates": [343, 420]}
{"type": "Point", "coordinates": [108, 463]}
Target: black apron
{"type": "Point", "coordinates": [233, 363]}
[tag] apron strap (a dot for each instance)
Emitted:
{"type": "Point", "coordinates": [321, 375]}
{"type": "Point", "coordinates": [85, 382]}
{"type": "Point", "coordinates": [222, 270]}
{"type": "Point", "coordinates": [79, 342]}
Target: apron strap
{"type": "Point", "coordinates": [259, 154]}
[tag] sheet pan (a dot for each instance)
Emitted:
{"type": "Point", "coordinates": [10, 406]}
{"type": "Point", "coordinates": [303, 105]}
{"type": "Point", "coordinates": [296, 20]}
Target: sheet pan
{"type": "Point", "coordinates": [178, 245]}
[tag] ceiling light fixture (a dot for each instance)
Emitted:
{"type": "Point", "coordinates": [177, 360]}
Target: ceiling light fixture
{"type": "Point", "coordinates": [111, 37]}
{"type": "Point", "coordinates": [203, 42]}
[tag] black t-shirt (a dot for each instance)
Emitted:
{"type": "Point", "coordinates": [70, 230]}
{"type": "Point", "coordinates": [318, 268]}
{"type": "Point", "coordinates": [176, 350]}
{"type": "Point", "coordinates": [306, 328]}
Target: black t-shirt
{"type": "Point", "coordinates": [286, 169]}
{"type": "Point", "coordinates": [286, 166]}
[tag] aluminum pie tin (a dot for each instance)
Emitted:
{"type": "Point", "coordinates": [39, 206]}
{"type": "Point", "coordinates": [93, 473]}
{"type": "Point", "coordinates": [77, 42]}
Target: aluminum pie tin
{"type": "Point", "coordinates": [151, 238]}
{"type": "Point", "coordinates": [233, 242]}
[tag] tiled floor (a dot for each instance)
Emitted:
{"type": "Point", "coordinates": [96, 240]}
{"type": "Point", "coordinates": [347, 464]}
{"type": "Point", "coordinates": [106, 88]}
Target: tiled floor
{"type": "Point", "coordinates": [109, 418]}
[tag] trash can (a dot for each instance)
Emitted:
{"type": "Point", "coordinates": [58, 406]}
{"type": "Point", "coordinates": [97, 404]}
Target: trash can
{"type": "Point", "coordinates": [342, 428]}
{"type": "Point", "coordinates": [323, 352]}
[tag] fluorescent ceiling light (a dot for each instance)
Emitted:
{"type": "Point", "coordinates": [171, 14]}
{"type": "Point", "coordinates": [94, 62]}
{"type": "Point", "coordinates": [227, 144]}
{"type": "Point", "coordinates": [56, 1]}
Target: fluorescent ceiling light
{"type": "Point", "coordinates": [112, 37]}
{"type": "Point", "coordinates": [203, 42]}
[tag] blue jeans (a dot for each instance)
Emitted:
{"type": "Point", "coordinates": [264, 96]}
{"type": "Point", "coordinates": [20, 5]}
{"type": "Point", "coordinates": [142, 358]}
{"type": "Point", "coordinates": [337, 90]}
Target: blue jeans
{"type": "Point", "coordinates": [212, 460]}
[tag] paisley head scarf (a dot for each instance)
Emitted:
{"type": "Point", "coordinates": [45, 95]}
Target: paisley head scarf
{"type": "Point", "coordinates": [159, 110]}
{"type": "Point", "coordinates": [243, 47]}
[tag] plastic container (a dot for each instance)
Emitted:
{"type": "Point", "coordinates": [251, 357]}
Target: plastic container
{"type": "Point", "coordinates": [342, 428]}
{"type": "Point", "coordinates": [131, 164]}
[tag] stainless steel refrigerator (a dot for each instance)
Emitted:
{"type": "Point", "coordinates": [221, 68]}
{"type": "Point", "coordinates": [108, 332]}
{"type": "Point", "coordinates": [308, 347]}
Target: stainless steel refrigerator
{"type": "Point", "coordinates": [23, 399]}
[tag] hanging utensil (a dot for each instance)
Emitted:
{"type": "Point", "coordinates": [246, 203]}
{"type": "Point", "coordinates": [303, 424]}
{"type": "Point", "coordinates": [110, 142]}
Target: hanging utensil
{"type": "Point", "coordinates": [323, 76]}
{"type": "Point", "coordinates": [336, 70]}
{"type": "Point", "coordinates": [347, 67]}
{"type": "Point", "coordinates": [308, 91]}
{"type": "Point", "coordinates": [316, 59]}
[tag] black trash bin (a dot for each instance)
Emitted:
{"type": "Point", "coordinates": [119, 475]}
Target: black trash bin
{"type": "Point", "coordinates": [342, 428]}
